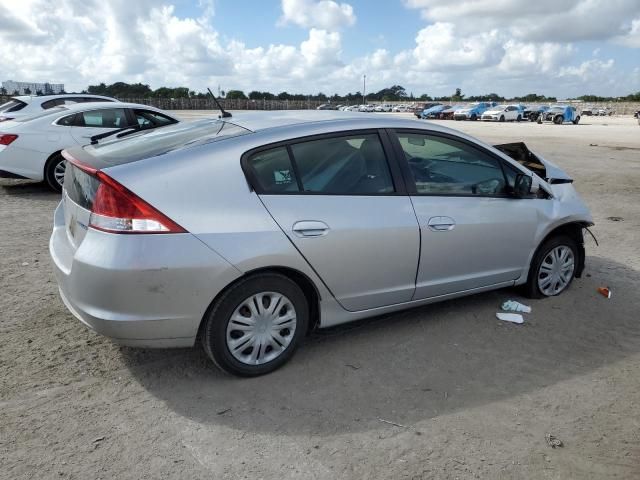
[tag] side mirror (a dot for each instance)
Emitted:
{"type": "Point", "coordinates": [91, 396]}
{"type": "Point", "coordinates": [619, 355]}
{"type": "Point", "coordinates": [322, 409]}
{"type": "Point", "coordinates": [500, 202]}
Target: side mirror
{"type": "Point", "coordinates": [523, 185]}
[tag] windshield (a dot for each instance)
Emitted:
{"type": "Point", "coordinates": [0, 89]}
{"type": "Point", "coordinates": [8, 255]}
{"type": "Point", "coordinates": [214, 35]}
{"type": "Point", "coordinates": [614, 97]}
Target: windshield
{"type": "Point", "coordinates": [12, 105]}
{"type": "Point", "coordinates": [556, 109]}
{"type": "Point", "coordinates": [51, 111]}
{"type": "Point", "coordinates": [163, 140]}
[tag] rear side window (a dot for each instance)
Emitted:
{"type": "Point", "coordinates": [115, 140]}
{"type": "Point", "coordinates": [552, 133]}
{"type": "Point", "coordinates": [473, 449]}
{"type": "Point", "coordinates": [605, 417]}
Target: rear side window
{"type": "Point", "coordinates": [12, 106]}
{"type": "Point", "coordinates": [67, 121]}
{"type": "Point", "coordinates": [346, 165]}
{"type": "Point", "coordinates": [274, 171]}
{"type": "Point", "coordinates": [105, 118]}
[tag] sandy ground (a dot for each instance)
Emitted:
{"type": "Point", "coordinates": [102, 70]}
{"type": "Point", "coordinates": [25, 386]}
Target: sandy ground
{"type": "Point", "coordinates": [471, 397]}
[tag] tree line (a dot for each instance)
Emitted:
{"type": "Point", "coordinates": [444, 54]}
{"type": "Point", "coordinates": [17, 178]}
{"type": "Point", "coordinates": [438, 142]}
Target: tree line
{"type": "Point", "coordinates": [393, 93]}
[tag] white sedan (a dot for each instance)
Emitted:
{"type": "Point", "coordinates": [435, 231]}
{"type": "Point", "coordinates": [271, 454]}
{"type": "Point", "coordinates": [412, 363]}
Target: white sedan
{"type": "Point", "coordinates": [30, 147]}
{"type": "Point", "coordinates": [27, 105]}
{"type": "Point", "coordinates": [503, 113]}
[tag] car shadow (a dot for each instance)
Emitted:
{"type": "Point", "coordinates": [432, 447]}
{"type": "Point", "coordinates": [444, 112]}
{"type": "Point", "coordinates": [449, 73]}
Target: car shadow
{"type": "Point", "coordinates": [26, 187]}
{"type": "Point", "coordinates": [412, 365]}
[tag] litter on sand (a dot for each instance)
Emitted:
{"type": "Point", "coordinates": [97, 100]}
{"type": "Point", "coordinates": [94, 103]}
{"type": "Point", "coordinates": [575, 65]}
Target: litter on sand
{"type": "Point", "coordinates": [510, 317]}
{"type": "Point", "coordinates": [513, 306]}
{"type": "Point", "coordinates": [604, 291]}
{"type": "Point", "coordinates": [552, 441]}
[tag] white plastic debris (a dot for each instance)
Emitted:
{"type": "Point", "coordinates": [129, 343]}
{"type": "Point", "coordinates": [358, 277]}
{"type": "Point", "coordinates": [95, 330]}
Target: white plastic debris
{"type": "Point", "coordinates": [513, 306]}
{"type": "Point", "coordinates": [510, 317]}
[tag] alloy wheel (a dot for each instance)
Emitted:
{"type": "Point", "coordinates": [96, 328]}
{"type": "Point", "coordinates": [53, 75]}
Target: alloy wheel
{"type": "Point", "coordinates": [59, 171]}
{"type": "Point", "coordinates": [261, 328]}
{"type": "Point", "coordinates": [556, 270]}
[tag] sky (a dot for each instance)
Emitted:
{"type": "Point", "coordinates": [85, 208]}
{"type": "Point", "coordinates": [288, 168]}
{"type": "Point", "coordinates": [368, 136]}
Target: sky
{"type": "Point", "coordinates": [562, 48]}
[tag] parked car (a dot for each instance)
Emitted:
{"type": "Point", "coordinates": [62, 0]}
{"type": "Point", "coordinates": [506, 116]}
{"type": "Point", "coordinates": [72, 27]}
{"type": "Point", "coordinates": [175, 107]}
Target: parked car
{"type": "Point", "coordinates": [384, 107]}
{"type": "Point", "coordinates": [603, 112]}
{"type": "Point", "coordinates": [326, 106]}
{"type": "Point", "coordinates": [532, 113]}
{"type": "Point", "coordinates": [418, 108]}
{"type": "Point", "coordinates": [401, 108]}
{"type": "Point", "coordinates": [473, 111]}
{"type": "Point", "coordinates": [503, 113]}
{"type": "Point", "coordinates": [30, 147]}
{"type": "Point", "coordinates": [588, 111]}
{"type": "Point", "coordinates": [28, 105]}
{"type": "Point", "coordinates": [447, 114]}
{"type": "Point", "coordinates": [434, 112]}
{"type": "Point", "coordinates": [248, 233]}
{"type": "Point", "coordinates": [560, 114]}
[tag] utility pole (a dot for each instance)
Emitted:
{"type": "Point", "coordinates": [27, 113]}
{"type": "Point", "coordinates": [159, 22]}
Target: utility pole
{"type": "Point", "coordinates": [364, 89]}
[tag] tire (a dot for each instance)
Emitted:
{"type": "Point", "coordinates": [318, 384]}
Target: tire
{"type": "Point", "coordinates": [238, 301]}
{"type": "Point", "coordinates": [558, 119]}
{"type": "Point", "coordinates": [519, 119]}
{"type": "Point", "coordinates": [502, 118]}
{"type": "Point", "coordinates": [473, 117]}
{"type": "Point", "coordinates": [54, 172]}
{"type": "Point", "coordinates": [577, 120]}
{"type": "Point", "coordinates": [541, 269]}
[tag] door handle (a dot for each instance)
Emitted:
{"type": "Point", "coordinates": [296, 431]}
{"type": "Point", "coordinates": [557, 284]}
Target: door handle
{"type": "Point", "coordinates": [310, 228]}
{"type": "Point", "coordinates": [441, 224]}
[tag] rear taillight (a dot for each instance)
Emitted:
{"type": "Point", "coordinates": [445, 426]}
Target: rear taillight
{"type": "Point", "coordinates": [116, 209]}
{"type": "Point", "coordinates": [6, 139]}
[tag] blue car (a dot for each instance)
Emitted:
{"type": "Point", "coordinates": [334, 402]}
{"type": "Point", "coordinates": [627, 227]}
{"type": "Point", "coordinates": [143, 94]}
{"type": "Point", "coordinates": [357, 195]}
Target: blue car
{"type": "Point", "coordinates": [560, 114]}
{"type": "Point", "coordinates": [473, 111]}
{"type": "Point", "coordinates": [532, 113]}
{"type": "Point", "coordinates": [433, 112]}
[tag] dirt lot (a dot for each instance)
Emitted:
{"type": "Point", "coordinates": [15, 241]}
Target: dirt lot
{"type": "Point", "coordinates": [471, 397]}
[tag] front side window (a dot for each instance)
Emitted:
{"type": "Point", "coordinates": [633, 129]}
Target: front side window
{"type": "Point", "coordinates": [106, 118]}
{"type": "Point", "coordinates": [444, 166]}
{"type": "Point", "coordinates": [348, 165]}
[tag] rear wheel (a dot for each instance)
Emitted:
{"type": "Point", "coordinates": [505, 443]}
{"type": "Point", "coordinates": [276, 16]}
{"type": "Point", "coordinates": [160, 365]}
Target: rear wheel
{"type": "Point", "coordinates": [54, 171]}
{"type": "Point", "coordinates": [473, 117]}
{"type": "Point", "coordinates": [577, 119]}
{"type": "Point", "coordinates": [519, 118]}
{"type": "Point", "coordinates": [552, 268]}
{"type": "Point", "coordinates": [558, 119]}
{"type": "Point", "coordinates": [256, 325]}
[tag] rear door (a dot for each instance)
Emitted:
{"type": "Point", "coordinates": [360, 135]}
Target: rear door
{"type": "Point", "coordinates": [474, 233]}
{"type": "Point", "coordinates": [342, 204]}
{"type": "Point", "coordinates": [95, 122]}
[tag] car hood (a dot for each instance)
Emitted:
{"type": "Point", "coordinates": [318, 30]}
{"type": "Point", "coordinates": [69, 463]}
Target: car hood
{"type": "Point", "coordinates": [542, 167]}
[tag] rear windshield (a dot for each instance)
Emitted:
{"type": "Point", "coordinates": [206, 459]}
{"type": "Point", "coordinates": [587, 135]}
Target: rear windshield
{"type": "Point", "coordinates": [163, 140]}
{"type": "Point", "coordinates": [12, 106]}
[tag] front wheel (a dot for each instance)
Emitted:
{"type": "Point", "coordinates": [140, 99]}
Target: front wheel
{"type": "Point", "coordinates": [577, 119]}
{"type": "Point", "coordinates": [519, 118]}
{"type": "Point", "coordinates": [502, 118]}
{"type": "Point", "coordinates": [256, 325]}
{"type": "Point", "coordinates": [54, 171]}
{"type": "Point", "coordinates": [552, 268]}
{"type": "Point", "coordinates": [558, 120]}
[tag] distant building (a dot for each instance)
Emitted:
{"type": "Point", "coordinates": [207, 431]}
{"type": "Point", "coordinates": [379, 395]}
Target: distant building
{"type": "Point", "coordinates": [28, 88]}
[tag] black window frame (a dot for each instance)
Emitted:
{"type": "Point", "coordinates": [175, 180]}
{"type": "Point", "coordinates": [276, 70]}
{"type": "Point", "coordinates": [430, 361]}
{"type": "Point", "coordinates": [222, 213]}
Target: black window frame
{"type": "Point", "coordinates": [408, 175]}
{"type": "Point", "coordinates": [397, 176]}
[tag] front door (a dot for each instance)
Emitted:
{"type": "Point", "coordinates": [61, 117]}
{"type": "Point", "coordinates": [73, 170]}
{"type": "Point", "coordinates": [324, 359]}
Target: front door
{"type": "Point", "coordinates": [473, 233]}
{"type": "Point", "coordinates": [336, 200]}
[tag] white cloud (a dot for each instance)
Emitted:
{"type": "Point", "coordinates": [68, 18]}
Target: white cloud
{"type": "Point", "coordinates": [439, 46]}
{"type": "Point", "coordinates": [539, 20]}
{"type": "Point", "coordinates": [323, 14]}
{"type": "Point", "coordinates": [478, 45]}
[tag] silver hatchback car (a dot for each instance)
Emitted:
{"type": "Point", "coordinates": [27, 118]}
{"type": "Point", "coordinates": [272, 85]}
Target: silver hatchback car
{"type": "Point", "coordinates": [247, 232]}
